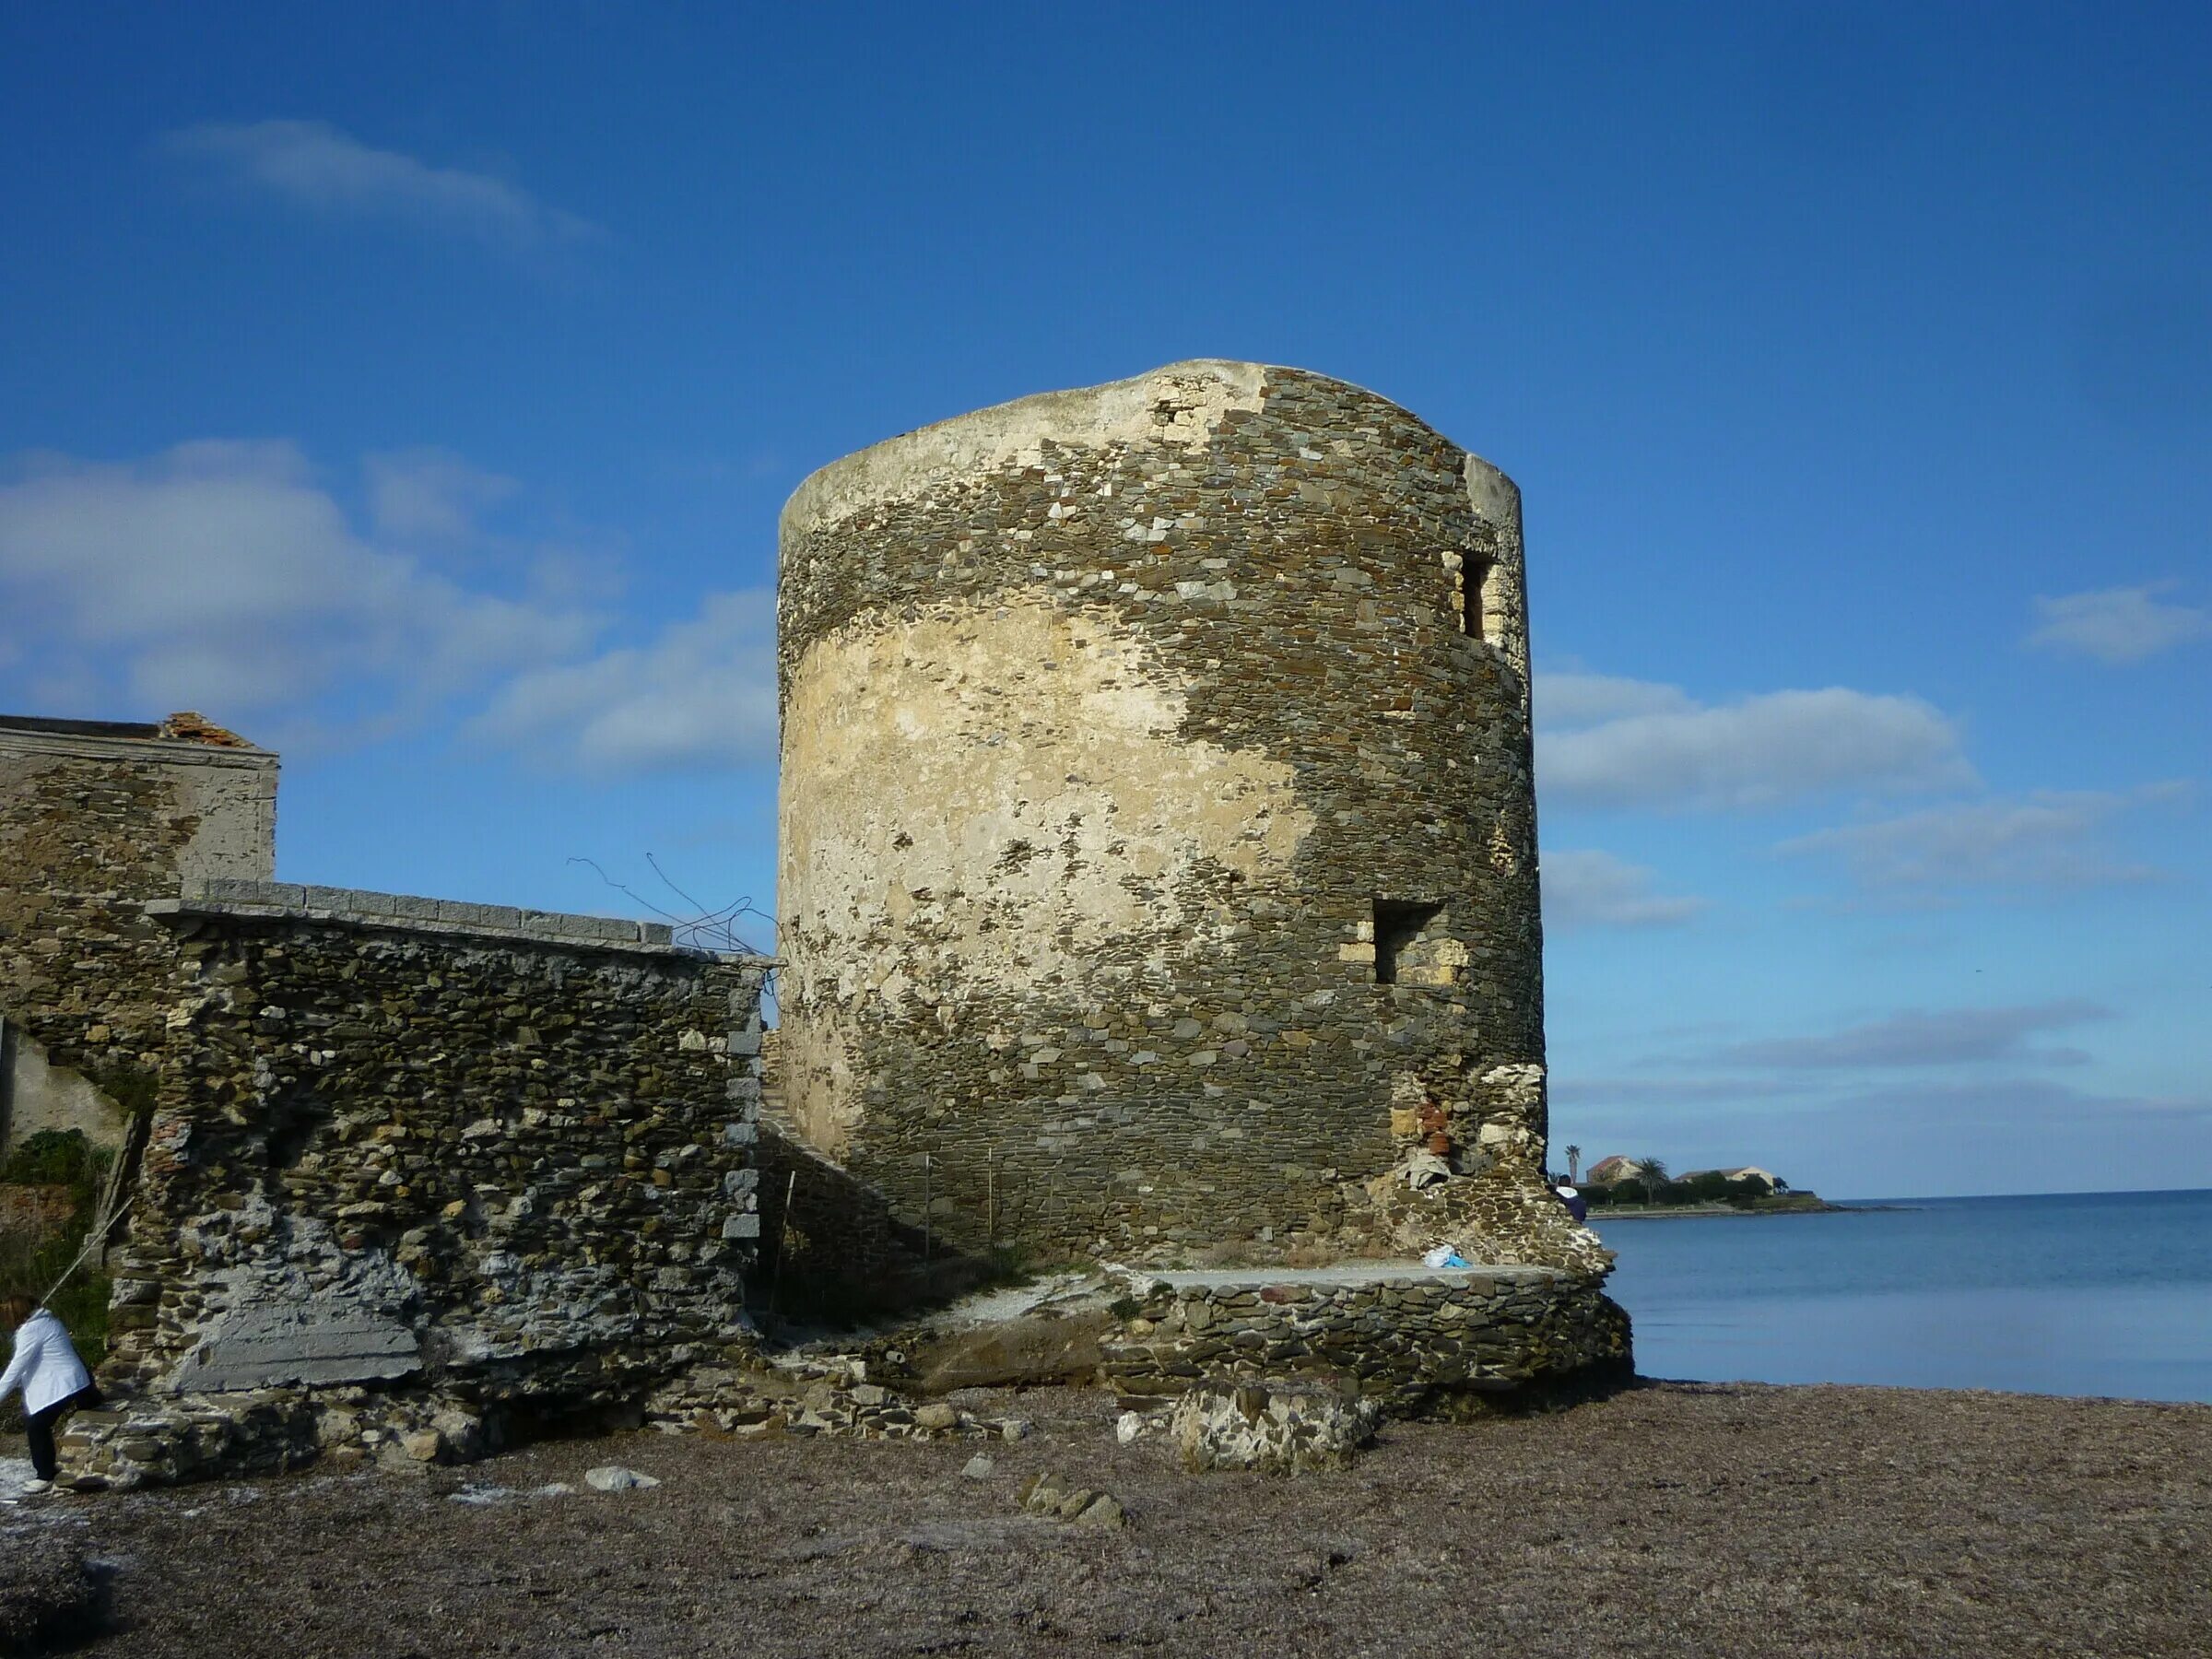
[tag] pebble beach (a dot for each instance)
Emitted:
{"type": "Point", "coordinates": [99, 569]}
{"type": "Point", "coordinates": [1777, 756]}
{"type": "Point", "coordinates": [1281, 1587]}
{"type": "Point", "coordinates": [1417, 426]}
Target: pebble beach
{"type": "Point", "coordinates": [1666, 1519]}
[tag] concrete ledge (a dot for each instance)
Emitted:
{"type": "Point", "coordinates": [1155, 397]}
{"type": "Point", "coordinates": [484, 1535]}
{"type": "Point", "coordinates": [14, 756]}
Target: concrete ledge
{"type": "Point", "coordinates": [282, 901]}
{"type": "Point", "coordinates": [1358, 1274]}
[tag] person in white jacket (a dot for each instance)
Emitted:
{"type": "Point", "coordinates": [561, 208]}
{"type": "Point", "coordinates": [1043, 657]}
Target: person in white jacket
{"type": "Point", "coordinates": [53, 1380]}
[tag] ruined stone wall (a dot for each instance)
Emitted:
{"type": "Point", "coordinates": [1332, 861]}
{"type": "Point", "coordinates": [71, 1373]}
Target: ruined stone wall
{"type": "Point", "coordinates": [1132, 738]}
{"type": "Point", "coordinates": [1414, 1341]}
{"type": "Point", "coordinates": [93, 821]}
{"type": "Point", "coordinates": [487, 1163]}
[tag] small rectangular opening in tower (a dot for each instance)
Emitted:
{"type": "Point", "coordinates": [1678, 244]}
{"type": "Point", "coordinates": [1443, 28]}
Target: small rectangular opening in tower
{"type": "Point", "coordinates": [1399, 926]}
{"type": "Point", "coordinates": [1473, 598]}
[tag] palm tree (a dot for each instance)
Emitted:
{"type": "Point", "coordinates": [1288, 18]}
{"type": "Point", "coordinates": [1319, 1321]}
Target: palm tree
{"type": "Point", "coordinates": [1655, 1179]}
{"type": "Point", "coordinates": [1574, 1166]}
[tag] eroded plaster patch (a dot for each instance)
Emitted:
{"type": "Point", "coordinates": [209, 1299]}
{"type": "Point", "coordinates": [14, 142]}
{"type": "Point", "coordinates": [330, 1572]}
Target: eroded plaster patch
{"type": "Point", "coordinates": [1086, 821]}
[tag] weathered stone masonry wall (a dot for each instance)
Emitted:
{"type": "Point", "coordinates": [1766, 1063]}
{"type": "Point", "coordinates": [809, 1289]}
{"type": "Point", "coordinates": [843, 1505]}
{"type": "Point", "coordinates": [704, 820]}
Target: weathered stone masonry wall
{"type": "Point", "coordinates": [484, 1168]}
{"type": "Point", "coordinates": [93, 823]}
{"type": "Point", "coordinates": [1413, 1340]}
{"type": "Point", "coordinates": [1109, 718]}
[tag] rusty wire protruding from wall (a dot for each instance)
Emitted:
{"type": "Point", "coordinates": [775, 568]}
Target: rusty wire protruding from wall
{"type": "Point", "coordinates": [704, 927]}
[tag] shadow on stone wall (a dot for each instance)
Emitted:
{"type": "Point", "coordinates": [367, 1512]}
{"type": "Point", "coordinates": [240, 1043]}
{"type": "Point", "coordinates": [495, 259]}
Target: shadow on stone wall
{"type": "Point", "coordinates": [833, 1252]}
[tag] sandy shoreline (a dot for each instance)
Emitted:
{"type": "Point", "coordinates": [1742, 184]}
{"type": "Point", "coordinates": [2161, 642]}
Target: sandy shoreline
{"type": "Point", "coordinates": [1669, 1519]}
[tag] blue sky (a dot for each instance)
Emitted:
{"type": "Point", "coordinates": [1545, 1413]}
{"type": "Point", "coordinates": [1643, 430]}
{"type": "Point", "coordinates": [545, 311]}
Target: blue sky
{"type": "Point", "coordinates": [414, 390]}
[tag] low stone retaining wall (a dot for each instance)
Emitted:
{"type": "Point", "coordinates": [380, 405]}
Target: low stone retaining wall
{"type": "Point", "coordinates": [1413, 1340]}
{"type": "Point", "coordinates": [160, 1441]}
{"type": "Point", "coordinates": [830, 1395]}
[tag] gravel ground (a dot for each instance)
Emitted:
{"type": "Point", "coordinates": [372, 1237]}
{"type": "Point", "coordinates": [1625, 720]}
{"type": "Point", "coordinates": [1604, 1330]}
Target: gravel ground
{"type": "Point", "coordinates": [1670, 1519]}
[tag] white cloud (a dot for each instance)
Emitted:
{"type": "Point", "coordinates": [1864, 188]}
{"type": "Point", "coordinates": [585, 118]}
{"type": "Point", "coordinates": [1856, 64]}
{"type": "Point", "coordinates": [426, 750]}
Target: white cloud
{"type": "Point", "coordinates": [431, 495]}
{"type": "Point", "coordinates": [2120, 624]}
{"type": "Point", "coordinates": [1586, 887]}
{"type": "Point", "coordinates": [1568, 701]}
{"type": "Point", "coordinates": [1586, 1093]}
{"type": "Point", "coordinates": [225, 576]}
{"type": "Point", "coordinates": [1928, 1037]}
{"type": "Point", "coordinates": [1619, 743]}
{"type": "Point", "coordinates": [312, 165]}
{"type": "Point", "coordinates": [702, 695]}
{"type": "Point", "coordinates": [2010, 1107]}
{"type": "Point", "coordinates": [2051, 839]}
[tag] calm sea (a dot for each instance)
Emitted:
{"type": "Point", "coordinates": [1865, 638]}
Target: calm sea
{"type": "Point", "coordinates": [2083, 1293]}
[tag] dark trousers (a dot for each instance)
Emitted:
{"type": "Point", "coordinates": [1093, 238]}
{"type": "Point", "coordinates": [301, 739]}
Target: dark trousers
{"type": "Point", "coordinates": [39, 1430]}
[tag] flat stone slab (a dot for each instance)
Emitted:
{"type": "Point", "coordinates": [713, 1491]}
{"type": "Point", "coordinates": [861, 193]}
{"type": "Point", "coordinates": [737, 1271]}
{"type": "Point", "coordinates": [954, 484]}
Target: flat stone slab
{"type": "Point", "coordinates": [319, 1343]}
{"type": "Point", "coordinates": [1017, 1301]}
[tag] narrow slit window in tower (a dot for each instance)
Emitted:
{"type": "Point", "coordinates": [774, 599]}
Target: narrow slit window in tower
{"type": "Point", "coordinates": [1398, 925]}
{"type": "Point", "coordinates": [1472, 597]}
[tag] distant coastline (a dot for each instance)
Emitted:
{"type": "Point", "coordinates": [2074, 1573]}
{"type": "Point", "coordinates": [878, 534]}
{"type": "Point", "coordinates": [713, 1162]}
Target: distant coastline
{"type": "Point", "coordinates": [1667, 1212]}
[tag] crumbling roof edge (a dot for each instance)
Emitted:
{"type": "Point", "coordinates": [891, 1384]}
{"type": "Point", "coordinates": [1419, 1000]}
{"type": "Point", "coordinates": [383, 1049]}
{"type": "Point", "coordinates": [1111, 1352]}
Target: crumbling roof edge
{"type": "Point", "coordinates": [982, 440]}
{"type": "Point", "coordinates": [98, 739]}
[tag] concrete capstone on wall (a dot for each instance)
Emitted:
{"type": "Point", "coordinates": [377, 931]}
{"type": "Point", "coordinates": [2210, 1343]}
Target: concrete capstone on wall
{"type": "Point", "coordinates": [232, 896]}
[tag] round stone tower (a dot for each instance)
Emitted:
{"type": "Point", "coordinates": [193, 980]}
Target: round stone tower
{"type": "Point", "coordinates": [1157, 833]}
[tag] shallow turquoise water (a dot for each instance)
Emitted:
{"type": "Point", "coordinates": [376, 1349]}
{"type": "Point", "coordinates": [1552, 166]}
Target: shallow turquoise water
{"type": "Point", "coordinates": [2086, 1293]}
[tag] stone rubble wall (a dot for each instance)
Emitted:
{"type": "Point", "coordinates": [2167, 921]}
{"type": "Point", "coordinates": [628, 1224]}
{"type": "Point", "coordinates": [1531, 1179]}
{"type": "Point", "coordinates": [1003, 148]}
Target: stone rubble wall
{"type": "Point", "coordinates": [38, 1096]}
{"type": "Point", "coordinates": [173, 1439]}
{"type": "Point", "coordinates": [1506, 1214]}
{"type": "Point", "coordinates": [91, 827]}
{"type": "Point", "coordinates": [1423, 1341]}
{"type": "Point", "coordinates": [1110, 720]}
{"type": "Point", "coordinates": [830, 1396]}
{"type": "Point", "coordinates": [477, 1169]}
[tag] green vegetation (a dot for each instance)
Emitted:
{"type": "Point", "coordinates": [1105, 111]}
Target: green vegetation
{"type": "Point", "coordinates": [1657, 1190]}
{"type": "Point", "coordinates": [55, 1158]}
{"type": "Point", "coordinates": [28, 1267]}
{"type": "Point", "coordinates": [133, 1087]}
